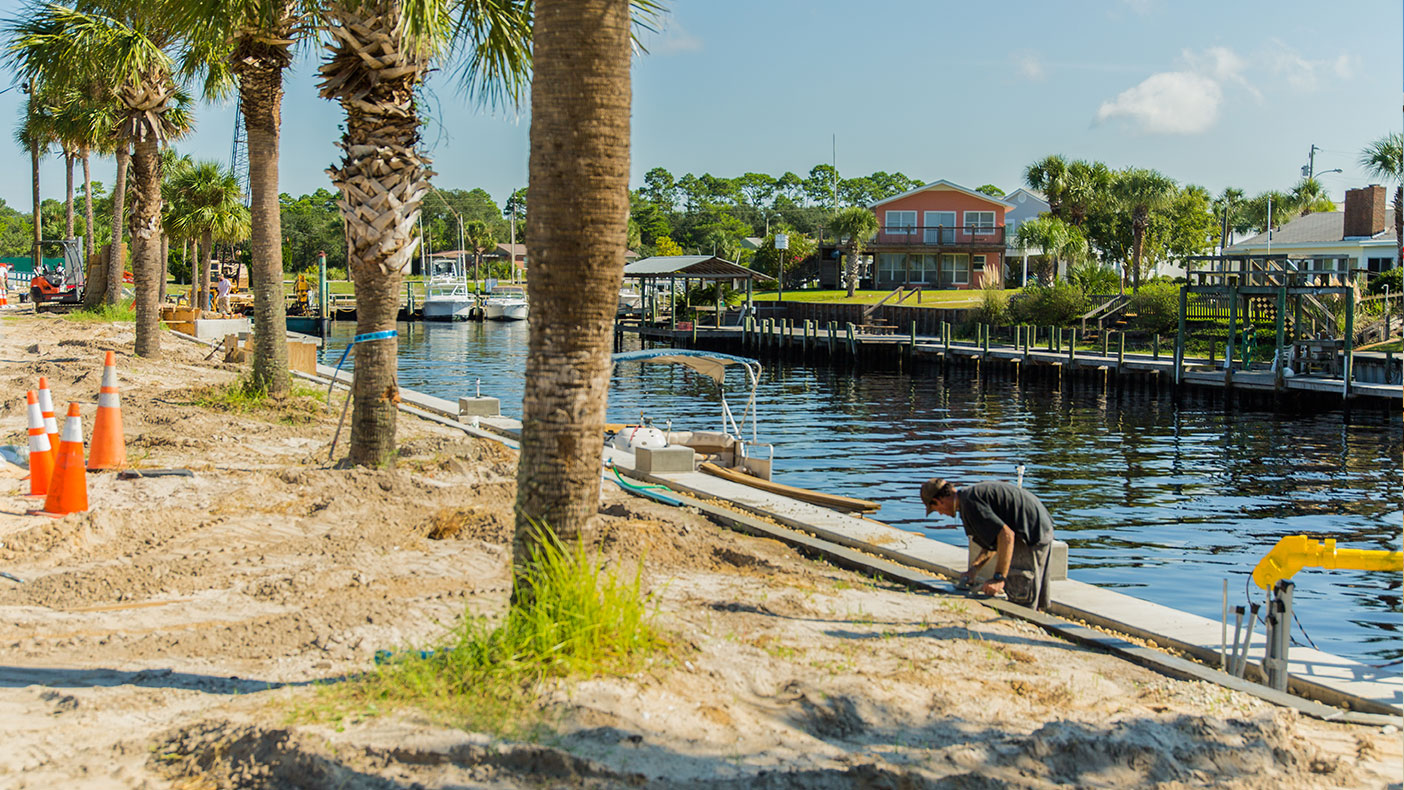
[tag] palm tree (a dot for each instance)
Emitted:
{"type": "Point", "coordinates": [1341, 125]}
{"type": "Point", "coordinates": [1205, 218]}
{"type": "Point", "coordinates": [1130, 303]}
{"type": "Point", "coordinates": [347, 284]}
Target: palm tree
{"type": "Point", "coordinates": [479, 238]}
{"type": "Point", "coordinates": [1085, 185]}
{"type": "Point", "coordinates": [379, 53]}
{"type": "Point", "coordinates": [1058, 240]}
{"type": "Point", "coordinates": [86, 124]}
{"type": "Point", "coordinates": [1049, 175]}
{"type": "Point", "coordinates": [35, 135]}
{"type": "Point", "coordinates": [1309, 197]}
{"type": "Point", "coordinates": [1384, 159]}
{"type": "Point", "coordinates": [126, 54]}
{"type": "Point", "coordinates": [1140, 192]}
{"type": "Point", "coordinates": [211, 209]}
{"type": "Point", "coordinates": [857, 225]}
{"type": "Point", "coordinates": [577, 230]}
{"type": "Point", "coordinates": [1228, 206]}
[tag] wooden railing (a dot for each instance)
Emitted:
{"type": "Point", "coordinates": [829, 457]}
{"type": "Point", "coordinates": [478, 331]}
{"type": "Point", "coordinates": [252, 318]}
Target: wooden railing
{"type": "Point", "coordinates": [941, 235]}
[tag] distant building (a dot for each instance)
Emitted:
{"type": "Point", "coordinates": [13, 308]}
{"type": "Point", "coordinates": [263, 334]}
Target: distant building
{"type": "Point", "coordinates": [1027, 204]}
{"type": "Point", "coordinates": [517, 253]}
{"type": "Point", "coordinates": [941, 235]}
{"type": "Point", "coordinates": [1364, 232]}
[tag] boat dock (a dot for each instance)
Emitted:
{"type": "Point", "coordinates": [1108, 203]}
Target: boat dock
{"type": "Point", "coordinates": [1321, 684]}
{"type": "Point", "coordinates": [1054, 353]}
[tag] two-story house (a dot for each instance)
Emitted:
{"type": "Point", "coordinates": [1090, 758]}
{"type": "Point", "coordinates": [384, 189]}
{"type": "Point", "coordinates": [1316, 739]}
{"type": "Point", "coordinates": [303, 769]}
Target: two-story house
{"type": "Point", "coordinates": [941, 235]}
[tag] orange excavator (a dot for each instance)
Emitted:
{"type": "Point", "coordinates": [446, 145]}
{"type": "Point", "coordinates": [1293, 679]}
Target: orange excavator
{"type": "Point", "coordinates": [62, 284]}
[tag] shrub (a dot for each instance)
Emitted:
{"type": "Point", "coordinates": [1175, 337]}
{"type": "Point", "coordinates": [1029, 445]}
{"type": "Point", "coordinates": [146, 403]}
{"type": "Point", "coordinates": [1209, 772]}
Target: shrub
{"type": "Point", "coordinates": [1094, 278]}
{"type": "Point", "coordinates": [1394, 279]}
{"type": "Point", "coordinates": [994, 305]}
{"type": "Point", "coordinates": [1156, 307]}
{"type": "Point", "coordinates": [1059, 304]}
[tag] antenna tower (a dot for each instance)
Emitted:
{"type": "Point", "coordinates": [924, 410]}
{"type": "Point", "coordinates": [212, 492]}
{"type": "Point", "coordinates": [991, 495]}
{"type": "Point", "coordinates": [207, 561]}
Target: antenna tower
{"type": "Point", "coordinates": [239, 154]}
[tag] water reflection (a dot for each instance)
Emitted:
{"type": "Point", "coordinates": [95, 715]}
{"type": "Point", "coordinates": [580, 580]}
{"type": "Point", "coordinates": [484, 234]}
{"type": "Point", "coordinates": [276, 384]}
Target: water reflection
{"type": "Point", "coordinates": [1164, 499]}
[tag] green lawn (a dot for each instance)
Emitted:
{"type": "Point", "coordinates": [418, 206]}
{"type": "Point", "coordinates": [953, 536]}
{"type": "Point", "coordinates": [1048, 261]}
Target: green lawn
{"type": "Point", "coordinates": [928, 298]}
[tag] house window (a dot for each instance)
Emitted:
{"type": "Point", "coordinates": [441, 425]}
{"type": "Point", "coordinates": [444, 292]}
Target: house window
{"type": "Point", "coordinates": [1378, 265]}
{"type": "Point", "coordinates": [977, 262]}
{"type": "Point", "coordinates": [923, 269]}
{"type": "Point", "coordinates": [980, 221]}
{"type": "Point", "coordinates": [890, 268]}
{"type": "Point", "coordinates": [955, 269]}
{"type": "Point", "coordinates": [900, 223]}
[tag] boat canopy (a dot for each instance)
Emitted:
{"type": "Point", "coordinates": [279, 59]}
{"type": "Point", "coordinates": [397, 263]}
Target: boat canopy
{"type": "Point", "coordinates": [707, 362]}
{"type": "Point", "coordinates": [713, 364]}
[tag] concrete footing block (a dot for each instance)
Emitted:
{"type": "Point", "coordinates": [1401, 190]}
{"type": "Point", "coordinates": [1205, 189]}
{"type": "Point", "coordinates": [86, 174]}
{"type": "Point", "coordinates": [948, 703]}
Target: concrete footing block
{"type": "Point", "coordinates": [479, 407]}
{"type": "Point", "coordinates": [664, 460]}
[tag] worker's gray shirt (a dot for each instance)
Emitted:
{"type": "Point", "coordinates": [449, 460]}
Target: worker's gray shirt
{"type": "Point", "coordinates": [985, 507]}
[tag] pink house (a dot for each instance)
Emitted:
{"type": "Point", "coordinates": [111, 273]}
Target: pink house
{"type": "Point", "coordinates": [941, 235]}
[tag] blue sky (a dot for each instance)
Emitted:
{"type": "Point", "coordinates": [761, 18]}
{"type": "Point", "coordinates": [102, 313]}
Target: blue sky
{"type": "Point", "coordinates": [1213, 93]}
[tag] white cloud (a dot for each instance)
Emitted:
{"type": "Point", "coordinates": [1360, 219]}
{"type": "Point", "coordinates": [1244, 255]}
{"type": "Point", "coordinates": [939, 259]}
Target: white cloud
{"type": "Point", "coordinates": [1306, 74]}
{"type": "Point", "coordinates": [675, 40]}
{"type": "Point", "coordinates": [1030, 66]}
{"type": "Point", "coordinates": [1171, 102]}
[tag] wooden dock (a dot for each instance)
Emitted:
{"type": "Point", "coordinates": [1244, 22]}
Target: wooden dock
{"type": "Point", "coordinates": [1055, 355]}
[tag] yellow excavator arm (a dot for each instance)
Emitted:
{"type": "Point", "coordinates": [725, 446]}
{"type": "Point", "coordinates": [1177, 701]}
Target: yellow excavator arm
{"type": "Point", "coordinates": [1296, 552]}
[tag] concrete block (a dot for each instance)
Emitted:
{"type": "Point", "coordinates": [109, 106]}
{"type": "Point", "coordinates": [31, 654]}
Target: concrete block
{"type": "Point", "coordinates": [211, 328]}
{"type": "Point", "coordinates": [1057, 561]}
{"type": "Point", "coordinates": [479, 407]}
{"type": "Point", "coordinates": [664, 460]}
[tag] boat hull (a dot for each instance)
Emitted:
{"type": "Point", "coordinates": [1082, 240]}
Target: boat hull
{"type": "Point", "coordinates": [448, 309]}
{"type": "Point", "coordinates": [506, 312]}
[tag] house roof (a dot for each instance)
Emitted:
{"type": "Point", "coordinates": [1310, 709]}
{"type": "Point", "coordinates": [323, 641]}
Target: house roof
{"type": "Point", "coordinates": [519, 250]}
{"type": "Point", "coordinates": [951, 185]}
{"type": "Point", "coordinates": [1324, 227]}
{"type": "Point", "coordinates": [702, 267]}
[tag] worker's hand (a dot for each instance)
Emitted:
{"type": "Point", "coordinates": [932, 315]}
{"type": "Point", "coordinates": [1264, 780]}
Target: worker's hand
{"type": "Point", "coordinates": [993, 587]}
{"type": "Point", "coordinates": [966, 581]}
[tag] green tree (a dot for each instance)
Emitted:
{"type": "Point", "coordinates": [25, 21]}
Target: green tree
{"type": "Point", "coordinates": [1085, 187]}
{"type": "Point", "coordinates": [479, 237]}
{"type": "Point", "coordinates": [1309, 197]}
{"type": "Point", "coordinates": [771, 261]}
{"type": "Point", "coordinates": [666, 247]}
{"type": "Point", "coordinates": [854, 225]}
{"type": "Point", "coordinates": [821, 187]}
{"type": "Point", "coordinates": [990, 189]}
{"type": "Point", "coordinates": [127, 54]}
{"type": "Point", "coordinates": [1058, 240]}
{"type": "Point", "coordinates": [1384, 159]}
{"type": "Point", "coordinates": [1049, 176]}
{"type": "Point", "coordinates": [211, 208]}
{"type": "Point", "coordinates": [1140, 192]}
{"type": "Point", "coordinates": [379, 54]}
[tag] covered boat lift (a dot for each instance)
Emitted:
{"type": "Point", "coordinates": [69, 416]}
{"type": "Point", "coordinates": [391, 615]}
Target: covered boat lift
{"type": "Point", "coordinates": [703, 268]}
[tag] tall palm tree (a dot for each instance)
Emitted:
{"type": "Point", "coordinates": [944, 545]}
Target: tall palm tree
{"type": "Point", "coordinates": [211, 209]}
{"type": "Point", "coordinates": [1049, 175]}
{"type": "Point", "coordinates": [857, 225]}
{"type": "Point", "coordinates": [1228, 208]}
{"type": "Point", "coordinates": [577, 230]}
{"type": "Point", "coordinates": [479, 237]}
{"type": "Point", "coordinates": [35, 135]}
{"type": "Point", "coordinates": [1140, 192]}
{"type": "Point", "coordinates": [127, 52]}
{"type": "Point", "coordinates": [379, 54]}
{"type": "Point", "coordinates": [1085, 185]}
{"type": "Point", "coordinates": [1384, 159]}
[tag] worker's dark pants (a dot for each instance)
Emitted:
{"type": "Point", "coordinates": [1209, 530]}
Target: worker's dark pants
{"type": "Point", "coordinates": [1027, 583]}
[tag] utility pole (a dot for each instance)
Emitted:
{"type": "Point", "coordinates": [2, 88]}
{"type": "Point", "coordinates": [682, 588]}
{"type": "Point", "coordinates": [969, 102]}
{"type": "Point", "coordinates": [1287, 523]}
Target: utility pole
{"type": "Point", "coordinates": [1310, 170]}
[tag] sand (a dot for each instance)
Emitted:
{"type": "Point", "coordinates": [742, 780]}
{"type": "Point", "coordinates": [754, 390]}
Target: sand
{"type": "Point", "coordinates": [161, 639]}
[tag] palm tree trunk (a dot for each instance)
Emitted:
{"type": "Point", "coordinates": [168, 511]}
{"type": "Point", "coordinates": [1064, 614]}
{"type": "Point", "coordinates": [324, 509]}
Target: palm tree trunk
{"type": "Point", "coordinates": [850, 270]}
{"type": "Point", "coordinates": [578, 230]}
{"type": "Point", "coordinates": [373, 73]}
{"type": "Point", "coordinates": [194, 260]}
{"type": "Point", "coordinates": [68, 199]}
{"type": "Point", "coordinates": [38, 221]}
{"type": "Point", "coordinates": [165, 266]}
{"type": "Point", "coordinates": [89, 232]}
{"type": "Point", "coordinates": [95, 269]}
{"type": "Point", "coordinates": [146, 245]}
{"type": "Point", "coordinates": [1399, 222]}
{"type": "Point", "coordinates": [206, 255]}
{"type": "Point", "coordinates": [261, 99]}
{"type": "Point", "coordinates": [115, 262]}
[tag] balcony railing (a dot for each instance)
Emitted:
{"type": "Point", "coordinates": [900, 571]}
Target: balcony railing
{"type": "Point", "coordinates": [941, 235]}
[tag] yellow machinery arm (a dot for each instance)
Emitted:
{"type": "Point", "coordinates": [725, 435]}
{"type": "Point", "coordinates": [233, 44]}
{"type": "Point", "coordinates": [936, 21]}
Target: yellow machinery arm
{"type": "Point", "coordinates": [1295, 552]}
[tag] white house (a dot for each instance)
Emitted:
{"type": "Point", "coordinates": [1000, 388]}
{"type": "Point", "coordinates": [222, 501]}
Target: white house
{"type": "Point", "coordinates": [1363, 232]}
{"type": "Point", "coordinates": [1027, 204]}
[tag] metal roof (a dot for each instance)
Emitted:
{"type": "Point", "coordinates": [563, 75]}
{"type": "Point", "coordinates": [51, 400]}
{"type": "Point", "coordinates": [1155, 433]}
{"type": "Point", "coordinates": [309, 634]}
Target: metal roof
{"type": "Point", "coordinates": [700, 267]}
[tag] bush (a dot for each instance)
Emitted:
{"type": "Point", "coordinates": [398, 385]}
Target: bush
{"type": "Point", "coordinates": [1094, 278]}
{"type": "Point", "coordinates": [994, 305]}
{"type": "Point", "coordinates": [1393, 279]}
{"type": "Point", "coordinates": [1156, 307]}
{"type": "Point", "coordinates": [1059, 304]}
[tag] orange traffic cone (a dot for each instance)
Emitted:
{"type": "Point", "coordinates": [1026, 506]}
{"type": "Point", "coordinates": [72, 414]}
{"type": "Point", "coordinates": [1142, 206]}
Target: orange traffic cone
{"type": "Point", "coordinates": [108, 449]}
{"type": "Point", "coordinates": [46, 406]}
{"type": "Point", "coordinates": [41, 457]}
{"type": "Point", "coordinates": [68, 488]}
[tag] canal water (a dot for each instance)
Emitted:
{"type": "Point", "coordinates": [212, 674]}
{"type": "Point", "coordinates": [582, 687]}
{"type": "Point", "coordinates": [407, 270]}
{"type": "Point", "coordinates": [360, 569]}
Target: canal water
{"type": "Point", "coordinates": [1159, 498]}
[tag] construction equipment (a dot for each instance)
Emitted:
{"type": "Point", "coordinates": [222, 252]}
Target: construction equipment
{"type": "Point", "coordinates": [63, 284]}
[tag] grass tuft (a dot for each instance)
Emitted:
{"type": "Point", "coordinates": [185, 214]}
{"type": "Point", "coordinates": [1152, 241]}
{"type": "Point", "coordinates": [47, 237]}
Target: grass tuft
{"type": "Point", "coordinates": [122, 311]}
{"type": "Point", "coordinates": [244, 397]}
{"type": "Point", "coordinates": [573, 617]}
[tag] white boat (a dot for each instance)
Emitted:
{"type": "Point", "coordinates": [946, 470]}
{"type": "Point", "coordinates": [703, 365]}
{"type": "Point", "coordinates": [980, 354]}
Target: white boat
{"type": "Point", "coordinates": [630, 300]}
{"type": "Point", "coordinates": [506, 303]}
{"type": "Point", "coordinates": [446, 294]}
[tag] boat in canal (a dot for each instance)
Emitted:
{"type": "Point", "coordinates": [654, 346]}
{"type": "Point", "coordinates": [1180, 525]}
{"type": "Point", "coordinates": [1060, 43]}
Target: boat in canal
{"type": "Point", "coordinates": [506, 303]}
{"type": "Point", "coordinates": [446, 294]}
{"type": "Point", "coordinates": [630, 300]}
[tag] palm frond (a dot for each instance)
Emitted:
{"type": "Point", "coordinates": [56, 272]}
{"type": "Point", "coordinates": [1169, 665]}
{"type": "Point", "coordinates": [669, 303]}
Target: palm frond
{"type": "Point", "coordinates": [494, 37]}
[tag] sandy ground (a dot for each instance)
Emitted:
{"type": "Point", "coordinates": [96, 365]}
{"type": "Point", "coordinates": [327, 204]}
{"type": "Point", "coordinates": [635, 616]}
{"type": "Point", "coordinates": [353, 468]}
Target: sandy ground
{"type": "Point", "coordinates": [160, 639]}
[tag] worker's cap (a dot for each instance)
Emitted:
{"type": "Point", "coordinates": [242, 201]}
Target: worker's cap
{"type": "Point", "coordinates": [934, 490]}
